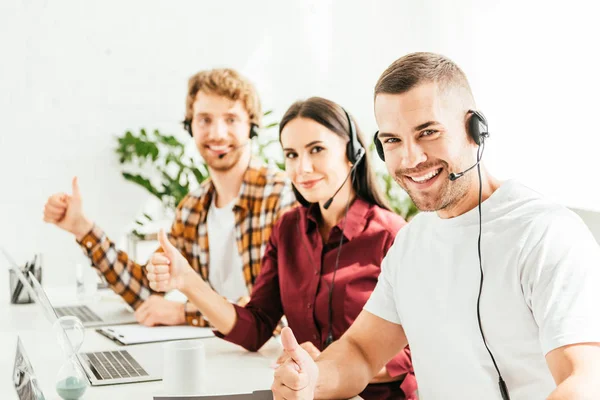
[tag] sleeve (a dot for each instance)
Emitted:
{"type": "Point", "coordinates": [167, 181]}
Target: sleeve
{"type": "Point", "coordinates": [126, 277]}
{"type": "Point", "coordinates": [561, 281]}
{"type": "Point", "coordinates": [402, 362]}
{"type": "Point", "coordinates": [256, 321]}
{"type": "Point", "coordinates": [381, 302]}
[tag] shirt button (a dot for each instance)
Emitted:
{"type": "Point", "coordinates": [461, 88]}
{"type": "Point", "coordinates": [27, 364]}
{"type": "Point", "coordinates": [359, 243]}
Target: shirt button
{"type": "Point", "coordinates": [195, 321]}
{"type": "Point", "coordinates": [89, 245]}
{"type": "Point", "coordinates": [315, 337]}
{"type": "Point", "coordinates": [316, 272]}
{"type": "Point", "coordinates": [308, 305]}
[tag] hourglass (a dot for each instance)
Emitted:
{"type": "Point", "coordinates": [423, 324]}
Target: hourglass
{"type": "Point", "coordinates": [71, 382]}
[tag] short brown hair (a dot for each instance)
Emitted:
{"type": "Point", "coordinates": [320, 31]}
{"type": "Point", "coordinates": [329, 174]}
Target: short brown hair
{"type": "Point", "coordinates": [416, 68]}
{"type": "Point", "coordinates": [224, 82]}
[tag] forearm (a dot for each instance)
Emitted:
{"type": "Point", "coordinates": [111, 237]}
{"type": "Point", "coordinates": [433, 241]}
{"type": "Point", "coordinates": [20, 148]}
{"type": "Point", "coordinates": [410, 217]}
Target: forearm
{"type": "Point", "coordinates": [384, 376]}
{"type": "Point", "coordinates": [344, 371]}
{"type": "Point", "coordinates": [577, 387]}
{"type": "Point", "coordinates": [116, 269]}
{"type": "Point", "coordinates": [81, 228]}
{"type": "Point", "coordinates": [220, 312]}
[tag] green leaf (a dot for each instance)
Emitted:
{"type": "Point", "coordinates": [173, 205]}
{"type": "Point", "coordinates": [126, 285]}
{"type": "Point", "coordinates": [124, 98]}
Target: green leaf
{"type": "Point", "coordinates": [144, 182]}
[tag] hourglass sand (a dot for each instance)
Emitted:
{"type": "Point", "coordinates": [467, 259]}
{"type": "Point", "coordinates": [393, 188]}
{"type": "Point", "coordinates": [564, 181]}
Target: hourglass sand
{"type": "Point", "coordinates": [71, 382]}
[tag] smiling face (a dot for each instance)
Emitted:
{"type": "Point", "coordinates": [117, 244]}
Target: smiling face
{"type": "Point", "coordinates": [315, 159]}
{"type": "Point", "coordinates": [424, 137]}
{"type": "Point", "coordinates": [221, 128]}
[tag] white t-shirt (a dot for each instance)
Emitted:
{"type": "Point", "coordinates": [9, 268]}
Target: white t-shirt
{"type": "Point", "coordinates": [541, 291]}
{"type": "Point", "coordinates": [225, 267]}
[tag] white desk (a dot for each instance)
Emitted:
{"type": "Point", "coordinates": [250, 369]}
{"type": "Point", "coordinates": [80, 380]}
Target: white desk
{"type": "Point", "coordinates": [230, 368]}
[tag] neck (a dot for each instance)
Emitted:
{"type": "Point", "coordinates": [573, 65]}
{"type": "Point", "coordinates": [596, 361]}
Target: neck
{"type": "Point", "coordinates": [228, 183]}
{"type": "Point", "coordinates": [470, 200]}
{"type": "Point", "coordinates": [335, 213]}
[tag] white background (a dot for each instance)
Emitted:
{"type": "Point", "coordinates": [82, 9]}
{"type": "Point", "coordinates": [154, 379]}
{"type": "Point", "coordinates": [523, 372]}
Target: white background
{"type": "Point", "coordinates": [74, 74]}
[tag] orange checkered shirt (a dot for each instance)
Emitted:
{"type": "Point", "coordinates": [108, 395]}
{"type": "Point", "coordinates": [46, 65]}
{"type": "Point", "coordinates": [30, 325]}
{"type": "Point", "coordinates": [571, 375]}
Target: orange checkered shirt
{"type": "Point", "coordinates": [266, 194]}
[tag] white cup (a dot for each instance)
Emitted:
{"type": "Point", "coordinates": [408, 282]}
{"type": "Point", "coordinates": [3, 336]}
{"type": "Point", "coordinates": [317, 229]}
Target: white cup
{"type": "Point", "coordinates": [184, 368]}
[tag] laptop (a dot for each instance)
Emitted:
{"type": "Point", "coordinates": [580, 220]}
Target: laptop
{"type": "Point", "coordinates": [102, 368]}
{"type": "Point", "coordinates": [91, 315]}
{"type": "Point", "coordinates": [24, 379]}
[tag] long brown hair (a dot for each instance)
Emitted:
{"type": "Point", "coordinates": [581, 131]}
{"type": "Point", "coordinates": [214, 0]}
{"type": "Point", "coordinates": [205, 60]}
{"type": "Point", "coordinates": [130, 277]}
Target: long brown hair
{"type": "Point", "coordinates": [333, 117]}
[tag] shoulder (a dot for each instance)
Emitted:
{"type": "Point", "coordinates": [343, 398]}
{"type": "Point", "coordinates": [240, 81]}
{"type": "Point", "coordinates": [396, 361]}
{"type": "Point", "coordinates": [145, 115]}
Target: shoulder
{"type": "Point", "coordinates": [537, 213]}
{"type": "Point", "coordinates": [267, 175]}
{"type": "Point", "coordinates": [291, 218]}
{"type": "Point", "coordinates": [385, 220]}
{"type": "Point", "coordinates": [195, 198]}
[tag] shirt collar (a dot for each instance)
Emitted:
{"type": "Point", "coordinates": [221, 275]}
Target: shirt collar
{"type": "Point", "coordinates": [250, 179]}
{"type": "Point", "coordinates": [356, 219]}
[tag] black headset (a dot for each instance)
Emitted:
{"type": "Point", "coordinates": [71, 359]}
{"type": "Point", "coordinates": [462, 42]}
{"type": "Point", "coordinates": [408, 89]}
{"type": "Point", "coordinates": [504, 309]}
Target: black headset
{"type": "Point", "coordinates": [354, 150]}
{"type": "Point", "coordinates": [187, 125]}
{"type": "Point", "coordinates": [478, 130]}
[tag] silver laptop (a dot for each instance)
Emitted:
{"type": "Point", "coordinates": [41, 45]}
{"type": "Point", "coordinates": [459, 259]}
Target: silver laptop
{"type": "Point", "coordinates": [24, 378]}
{"type": "Point", "coordinates": [109, 367]}
{"type": "Point", "coordinates": [91, 315]}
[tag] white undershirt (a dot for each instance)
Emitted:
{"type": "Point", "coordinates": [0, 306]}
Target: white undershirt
{"type": "Point", "coordinates": [225, 263]}
{"type": "Point", "coordinates": [540, 292]}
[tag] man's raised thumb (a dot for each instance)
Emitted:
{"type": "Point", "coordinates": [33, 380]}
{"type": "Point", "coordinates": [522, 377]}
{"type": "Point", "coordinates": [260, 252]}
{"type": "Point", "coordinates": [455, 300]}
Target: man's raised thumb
{"type": "Point", "coordinates": [166, 245]}
{"type": "Point", "coordinates": [291, 347]}
{"type": "Point", "coordinates": [76, 194]}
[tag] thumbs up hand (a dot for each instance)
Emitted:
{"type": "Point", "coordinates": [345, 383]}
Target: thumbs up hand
{"type": "Point", "coordinates": [297, 377]}
{"type": "Point", "coordinates": [66, 212]}
{"type": "Point", "coordinates": [167, 270]}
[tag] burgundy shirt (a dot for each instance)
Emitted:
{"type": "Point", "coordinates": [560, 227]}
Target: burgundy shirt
{"type": "Point", "coordinates": [296, 276]}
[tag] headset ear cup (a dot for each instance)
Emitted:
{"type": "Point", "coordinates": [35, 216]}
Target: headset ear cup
{"type": "Point", "coordinates": [187, 125]}
{"type": "Point", "coordinates": [478, 127]}
{"type": "Point", "coordinates": [474, 129]}
{"type": "Point", "coordinates": [253, 131]}
{"type": "Point", "coordinates": [378, 146]}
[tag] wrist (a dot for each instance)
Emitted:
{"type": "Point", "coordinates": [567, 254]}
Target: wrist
{"type": "Point", "coordinates": [181, 314]}
{"type": "Point", "coordinates": [81, 228]}
{"type": "Point", "coordinates": [187, 281]}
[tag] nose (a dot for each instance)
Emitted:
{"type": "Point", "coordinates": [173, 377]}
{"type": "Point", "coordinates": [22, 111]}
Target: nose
{"type": "Point", "coordinates": [304, 164]}
{"type": "Point", "coordinates": [411, 155]}
{"type": "Point", "coordinates": [218, 130]}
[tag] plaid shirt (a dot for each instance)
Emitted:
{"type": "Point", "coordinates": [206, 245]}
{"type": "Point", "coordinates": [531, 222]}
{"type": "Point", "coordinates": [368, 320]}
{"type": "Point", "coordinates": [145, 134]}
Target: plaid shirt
{"type": "Point", "coordinates": [265, 195]}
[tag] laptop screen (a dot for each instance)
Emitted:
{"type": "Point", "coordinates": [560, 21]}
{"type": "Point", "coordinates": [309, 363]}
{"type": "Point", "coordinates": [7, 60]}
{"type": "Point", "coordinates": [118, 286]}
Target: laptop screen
{"type": "Point", "coordinates": [24, 379]}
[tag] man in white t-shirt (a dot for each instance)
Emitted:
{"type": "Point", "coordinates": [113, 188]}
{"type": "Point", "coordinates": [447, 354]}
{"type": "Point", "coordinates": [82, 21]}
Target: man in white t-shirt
{"type": "Point", "coordinates": [536, 302]}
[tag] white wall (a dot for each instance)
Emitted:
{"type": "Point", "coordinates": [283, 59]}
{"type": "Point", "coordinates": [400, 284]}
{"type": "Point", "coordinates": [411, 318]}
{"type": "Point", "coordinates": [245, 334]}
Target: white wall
{"type": "Point", "coordinates": [75, 74]}
{"type": "Point", "coordinates": [592, 219]}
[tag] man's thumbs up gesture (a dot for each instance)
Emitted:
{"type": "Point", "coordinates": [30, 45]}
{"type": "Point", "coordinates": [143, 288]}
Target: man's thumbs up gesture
{"type": "Point", "coordinates": [66, 211]}
{"type": "Point", "coordinates": [297, 377]}
{"type": "Point", "coordinates": [166, 271]}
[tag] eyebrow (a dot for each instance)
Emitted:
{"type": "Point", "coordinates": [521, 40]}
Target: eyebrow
{"type": "Point", "coordinates": [415, 129]}
{"type": "Point", "coordinates": [227, 114]}
{"type": "Point", "coordinates": [425, 125]}
{"type": "Point", "coordinates": [307, 146]}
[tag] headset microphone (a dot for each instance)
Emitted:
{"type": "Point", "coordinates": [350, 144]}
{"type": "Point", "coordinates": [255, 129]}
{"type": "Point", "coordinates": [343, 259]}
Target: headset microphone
{"type": "Point", "coordinates": [454, 176]}
{"type": "Point", "coordinates": [221, 156]}
{"type": "Point", "coordinates": [360, 155]}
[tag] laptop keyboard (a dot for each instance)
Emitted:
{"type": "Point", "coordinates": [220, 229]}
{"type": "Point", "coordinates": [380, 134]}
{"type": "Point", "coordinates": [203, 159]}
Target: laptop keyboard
{"type": "Point", "coordinates": [82, 312]}
{"type": "Point", "coordinates": [114, 365]}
